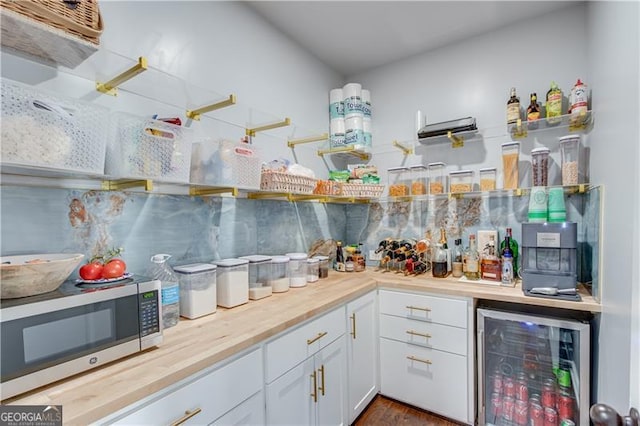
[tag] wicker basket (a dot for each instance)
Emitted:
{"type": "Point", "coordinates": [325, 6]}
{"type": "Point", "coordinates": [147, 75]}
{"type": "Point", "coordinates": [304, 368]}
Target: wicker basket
{"type": "Point", "coordinates": [361, 190]}
{"type": "Point", "coordinates": [285, 182]}
{"type": "Point", "coordinates": [52, 29]}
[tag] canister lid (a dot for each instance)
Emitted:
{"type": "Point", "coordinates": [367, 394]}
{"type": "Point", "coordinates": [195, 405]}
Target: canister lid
{"type": "Point", "coordinates": [226, 263]}
{"type": "Point", "coordinates": [461, 172]}
{"type": "Point", "coordinates": [296, 256]}
{"type": "Point", "coordinates": [507, 144]}
{"type": "Point", "coordinates": [569, 138]}
{"type": "Point", "coordinates": [313, 260]}
{"type": "Point", "coordinates": [279, 259]}
{"type": "Point", "coordinates": [418, 167]}
{"type": "Point", "coordinates": [321, 257]}
{"type": "Point", "coordinates": [256, 258]}
{"type": "Point", "coordinates": [487, 169]}
{"type": "Point", "coordinates": [397, 169]}
{"type": "Point", "coordinates": [194, 268]}
{"type": "Point", "coordinates": [439, 164]}
{"type": "Point", "coordinates": [542, 150]}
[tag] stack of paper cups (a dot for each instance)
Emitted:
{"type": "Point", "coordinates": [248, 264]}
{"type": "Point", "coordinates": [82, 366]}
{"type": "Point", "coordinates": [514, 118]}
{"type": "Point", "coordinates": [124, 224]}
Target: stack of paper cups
{"type": "Point", "coordinates": [337, 133]}
{"type": "Point", "coordinates": [354, 132]}
{"type": "Point", "coordinates": [352, 100]}
{"type": "Point", "coordinates": [336, 104]}
{"type": "Point", "coordinates": [538, 204]}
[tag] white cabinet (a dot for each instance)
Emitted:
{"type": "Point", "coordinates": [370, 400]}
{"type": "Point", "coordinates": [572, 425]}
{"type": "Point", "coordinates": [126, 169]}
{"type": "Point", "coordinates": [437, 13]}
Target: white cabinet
{"type": "Point", "coordinates": [426, 352]}
{"type": "Point", "coordinates": [249, 413]}
{"type": "Point", "coordinates": [362, 353]}
{"type": "Point", "coordinates": [200, 399]}
{"type": "Point", "coordinates": [311, 391]}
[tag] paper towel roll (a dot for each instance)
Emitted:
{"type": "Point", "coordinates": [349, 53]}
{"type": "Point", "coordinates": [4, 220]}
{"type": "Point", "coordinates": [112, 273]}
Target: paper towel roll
{"type": "Point", "coordinates": [354, 131]}
{"type": "Point", "coordinates": [352, 100]}
{"type": "Point", "coordinates": [336, 104]}
{"type": "Point", "coordinates": [366, 132]}
{"type": "Point", "coordinates": [366, 103]}
{"type": "Point", "coordinates": [337, 133]}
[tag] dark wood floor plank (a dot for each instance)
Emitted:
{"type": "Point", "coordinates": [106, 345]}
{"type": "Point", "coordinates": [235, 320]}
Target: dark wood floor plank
{"type": "Point", "coordinates": [383, 411]}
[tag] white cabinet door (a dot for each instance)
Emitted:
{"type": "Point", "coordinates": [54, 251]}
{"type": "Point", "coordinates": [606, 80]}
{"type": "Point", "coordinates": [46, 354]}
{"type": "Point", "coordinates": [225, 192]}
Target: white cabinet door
{"type": "Point", "coordinates": [249, 413]}
{"type": "Point", "coordinates": [362, 353]}
{"type": "Point", "coordinates": [331, 368]}
{"type": "Point", "coordinates": [290, 399]}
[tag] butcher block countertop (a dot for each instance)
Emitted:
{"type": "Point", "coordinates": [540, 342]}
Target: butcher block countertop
{"type": "Point", "coordinates": [194, 345]}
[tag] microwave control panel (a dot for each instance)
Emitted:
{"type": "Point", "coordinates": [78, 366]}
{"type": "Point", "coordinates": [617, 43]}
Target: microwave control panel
{"type": "Point", "coordinates": [149, 312]}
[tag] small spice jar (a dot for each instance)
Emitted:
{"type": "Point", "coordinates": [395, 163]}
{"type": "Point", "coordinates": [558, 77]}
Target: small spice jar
{"type": "Point", "coordinates": [398, 181]}
{"type": "Point", "coordinates": [437, 179]}
{"type": "Point", "coordinates": [323, 269]}
{"type": "Point", "coordinates": [488, 179]}
{"type": "Point", "coordinates": [418, 179]}
{"type": "Point", "coordinates": [569, 148]}
{"type": "Point", "coordinates": [540, 166]}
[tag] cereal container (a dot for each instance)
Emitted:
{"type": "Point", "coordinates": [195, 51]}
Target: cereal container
{"type": "Point", "coordinates": [437, 179]}
{"type": "Point", "coordinates": [399, 180]}
{"type": "Point", "coordinates": [419, 177]}
{"type": "Point", "coordinates": [540, 166]}
{"type": "Point", "coordinates": [488, 179]}
{"type": "Point", "coordinates": [510, 159]}
{"type": "Point", "coordinates": [461, 181]}
{"type": "Point", "coordinates": [569, 146]}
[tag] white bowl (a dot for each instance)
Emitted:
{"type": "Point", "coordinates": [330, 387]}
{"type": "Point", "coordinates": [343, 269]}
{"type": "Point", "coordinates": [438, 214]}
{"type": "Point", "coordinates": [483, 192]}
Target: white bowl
{"type": "Point", "coordinates": [28, 275]}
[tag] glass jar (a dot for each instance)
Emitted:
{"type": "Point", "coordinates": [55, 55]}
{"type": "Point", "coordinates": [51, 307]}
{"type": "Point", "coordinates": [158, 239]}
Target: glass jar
{"type": "Point", "coordinates": [569, 146]}
{"type": "Point", "coordinates": [540, 166]}
{"type": "Point", "coordinates": [398, 179]}
{"type": "Point", "coordinates": [437, 180]}
{"type": "Point", "coordinates": [297, 269]}
{"type": "Point", "coordinates": [323, 269]}
{"type": "Point", "coordinates": [313, 270]}
{"type": "Point", "coordinates": [461, 181]}
{"type": "Point", "coordinates": [488, 179]}
{"type": "Point", "coordinates": [418, 179]}
{"type": "Point", "coordinates": [279, 280]}
{"type": "Point", "coordinates": [510, 159]}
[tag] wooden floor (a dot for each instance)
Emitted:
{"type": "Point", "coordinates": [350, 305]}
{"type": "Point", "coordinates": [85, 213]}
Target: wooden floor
{"type": "Point", "coordinates": [384, 411]}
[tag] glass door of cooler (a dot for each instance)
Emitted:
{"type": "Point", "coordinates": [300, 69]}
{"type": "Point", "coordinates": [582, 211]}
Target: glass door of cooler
{"type": "Point", "coordinates": [532, 370]}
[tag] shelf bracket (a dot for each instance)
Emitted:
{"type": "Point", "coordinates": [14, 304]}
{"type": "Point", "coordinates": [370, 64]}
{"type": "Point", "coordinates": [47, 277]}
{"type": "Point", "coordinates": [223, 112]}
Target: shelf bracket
{"type": "Point", "coordinates": [196, 113]}
{"type": "Point", "coordinates": [349, 149]}
{"type": "Point", "coordinates": [196, 191]}
{"type": "Point", "coordinates": [111, 86]}
{"type": "Point", "coordinates": [406, 150]}
{"type": "Point", "coordinates": [267, 195]}
{"type": "Point", "coordinates": [456, 141]}
{"type": "Point", "coordinates": [252, 131]}
{"type": "Point", "coordinates": [293, 142]}
{"type": "Point", "coordinates": [305, 197]}
{"type": "Point", "coordinates": [519, 131]}
{"type": "Point", "coordinates": [119, 185]}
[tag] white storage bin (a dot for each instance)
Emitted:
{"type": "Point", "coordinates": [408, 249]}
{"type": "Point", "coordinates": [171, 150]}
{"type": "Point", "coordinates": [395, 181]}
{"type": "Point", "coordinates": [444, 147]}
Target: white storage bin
{"type": "Point", "coordinates": [197, 289]}
{"type": "Point", "coordinates": [41, 129]}
{"type": "Point", "coordinates": [259, 276]}
{"type": "Point", "coordinates": [232, 282]}
{"type": "Point", "coordinates": [226, 163]}
{"type": "Point", "coordinates": [148, 149]}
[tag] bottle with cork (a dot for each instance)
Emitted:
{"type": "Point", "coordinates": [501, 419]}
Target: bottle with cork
{"type": "Point", "coordinates": [513, 108]}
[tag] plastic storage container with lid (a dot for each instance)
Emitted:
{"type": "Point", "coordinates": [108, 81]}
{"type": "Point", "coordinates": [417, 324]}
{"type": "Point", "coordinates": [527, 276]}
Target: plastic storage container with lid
{"type": "Point", "coordinates": [259, 276]}
{"type": "Point", "coordinates": [313, 270]}
{"type": "Point", "coordinates": [419, 177]}
{"type": "Point", "coordinates": [488, 179]}
{"type": "Point", "coordinates": [437, 179]}
{"type": "Point", "coordinates": [540, 166]}
{"type": "Point", "coordinates": [279, 280]}
{"type": "Point", "coordinates": [197, 289]}
{"type": "Point", "coordinates": [399, 180]}
{"type": "Point", "coordinates": [569, 146]}
{"type": "Point", "coordinates": [461, 181]}
{"type": "Point", "coordinates": [232, 282]}
{"type": "Point", "coordinates": [323, 268]}
{"type": "Point", "coordinates": [297, 269]}
{"type": "Point", "coordinates": [510, 160]}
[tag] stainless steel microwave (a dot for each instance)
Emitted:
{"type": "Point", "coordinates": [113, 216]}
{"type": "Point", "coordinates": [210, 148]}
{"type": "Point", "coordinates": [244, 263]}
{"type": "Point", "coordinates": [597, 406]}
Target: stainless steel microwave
{"type": "Point", "coordinates": [78, 327]}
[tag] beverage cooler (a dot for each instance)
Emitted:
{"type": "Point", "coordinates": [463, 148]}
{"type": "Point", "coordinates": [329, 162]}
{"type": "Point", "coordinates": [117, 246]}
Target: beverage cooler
{"type": "Point", "coordinates": [532, 370]}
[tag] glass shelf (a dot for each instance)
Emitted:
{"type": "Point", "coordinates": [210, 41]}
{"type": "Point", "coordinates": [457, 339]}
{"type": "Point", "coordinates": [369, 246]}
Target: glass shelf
{"type": "Point", "coordinates": [455, 139]}
{"type": "Point", "coordinates": [574, 123]}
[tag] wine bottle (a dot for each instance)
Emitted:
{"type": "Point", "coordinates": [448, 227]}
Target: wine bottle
{"type": "Point", "coordinates": [513, 108]}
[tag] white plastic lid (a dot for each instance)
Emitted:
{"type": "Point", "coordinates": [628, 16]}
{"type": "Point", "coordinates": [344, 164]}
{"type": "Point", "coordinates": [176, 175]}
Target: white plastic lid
{"type": "Point", "coordinates": [461, 172]}
{"type": "Point", "coordinates": [418, 167]}
{"type": "Point", "coordinates": [313, 260]}
{"type": "Point", "coordinates": [279, 259]}
{"type": "Point", "coordinates": [321, 257]}
{"type": "Point", "coordinates": [227, 263]}
{"type": "Point", "coordinates": [542, 150]}
{"type": "Point", "coordinates": [487, 169]}
{"type": "Point", "coordinates": [296, 256]}
{"type": "Point", "coordinates": [569, 138]}
{"type": "Point", "coordinates": [439, 164]}
{"type": "Point", "coordinates": [194, 268]}
{"type": "Point", "coordinates": [397, 169]}
{"type": "Point", "coordinates": [507, 144]}
{"type": "Point", "coordinates": [256, 258]}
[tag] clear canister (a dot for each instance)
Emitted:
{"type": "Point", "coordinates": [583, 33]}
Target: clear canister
{"type": "Point", "coordinates": [297, 269]}
{"type": "Point", "coordinates": [259, 276]}
{"type": "Point", "coordinates": [313, 270]}
{"type": "Point", "coordinates": [232, 282]}
{"type": "Point", "coordinates": [488, 179]}
{"type": "Point", "coordinates": [398, 179]}
{"type": "Point", "coordinates": [461, 181]}
{"type": "Point", "coordinates": [437, 179]}
{"type": "Point", "coordinates": [197, 289]}
{"type": "Point", "coordinates": [540, 166]}
{"type": "Point", "coordinates": [323, 269]}
{"type": "Point", "coordinates": [510, 159]}
{"type": "Point", "coordinates": [279, 280]}
{"type": "Point", "coordinates": [569, 147]}
{"type": "Point", "coordinates": [419, 177]}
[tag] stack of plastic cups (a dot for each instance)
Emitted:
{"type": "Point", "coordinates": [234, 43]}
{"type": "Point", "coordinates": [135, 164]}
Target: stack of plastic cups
{"type": "Point", "coordinates": [366, 118]}
{"type": "Point", "coordinates": [353, 116]}
{"type": "Point", "coordinates": [336, 117]}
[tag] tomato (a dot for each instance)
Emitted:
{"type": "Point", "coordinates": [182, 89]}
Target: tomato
{"type": "Point", "coordinates": [91, 271]}
{"type": "Point", "coordinates": [113, 269]}
{"type": "Point", "coordinates": [124, 265]}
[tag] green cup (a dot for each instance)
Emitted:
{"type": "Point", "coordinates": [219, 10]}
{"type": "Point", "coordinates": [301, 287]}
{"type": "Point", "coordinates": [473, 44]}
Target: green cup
{"type": "Point", "coordinates": [556, 209]}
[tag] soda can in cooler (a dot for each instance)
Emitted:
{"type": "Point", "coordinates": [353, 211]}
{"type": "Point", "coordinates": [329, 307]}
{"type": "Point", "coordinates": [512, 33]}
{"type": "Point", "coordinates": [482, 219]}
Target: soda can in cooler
{"type": "Point", "coordinates": [536, 415]}
{"type": "Point", "coordinates": [567, 422]}
{"type": "Point", "coordinates": [497, 381]}
{"type": "Point", "coordinates": [548, 397]}
{"type": "Point", "coordinates": [508, 408]}
{"type": "Point", "coordinates": [565, 406]}
{"type": "Point", "coordinates": [550, 417]}
{"type": "Point", "coordinates": [496, 406]}
{"type": "Point", "coordinates": [522, 390]}
{"type": "Point", "coordinates": [509, 387]}
{"type": "Point", "coordinates": [521, 413]}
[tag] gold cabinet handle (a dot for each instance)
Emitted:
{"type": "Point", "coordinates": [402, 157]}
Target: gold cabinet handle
{"type": "Point", "coordinates": [187, 415]}
{"type": "Point", "coordinates": [322, 379]}
{"type": "Point", "coordinates": [418, 308]}
{"type": "Point", "coordinates": [415, 333]}
{"type": "Point", "coordinates": [353, 325]}
{"type": "Point", "coordinates": [424, 361]}
{"type": "Point", "coordinates": [318, 337]}
{"type": "Point", "coordinates": [314, 394]}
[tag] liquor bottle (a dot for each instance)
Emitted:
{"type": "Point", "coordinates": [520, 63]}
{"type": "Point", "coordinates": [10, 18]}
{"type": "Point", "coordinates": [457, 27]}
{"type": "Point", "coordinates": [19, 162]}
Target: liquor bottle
{"type": "Point", "coordinates": [513, 245]}
{"type": "Point", "coordinates": [456, 259]}
{"type": "Point", "coordinates": [554, 104]}
{"type": "Point", "coordinates": [445, 246]}
{"type": "Point", "coordinates": [533, 112]}
{"type": "Point", "coordinates": [339, 265]}
{"type": "Point", "coordinates": [471, 260]}
{"type": "Point", "coordinates": [490, 268]}
{"type": "Point", "coordinates": [513, 108]}
{"type": "Point", "coordinates": [439, 262]}
{"type": "Point", "coordinates": [507, 267]}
